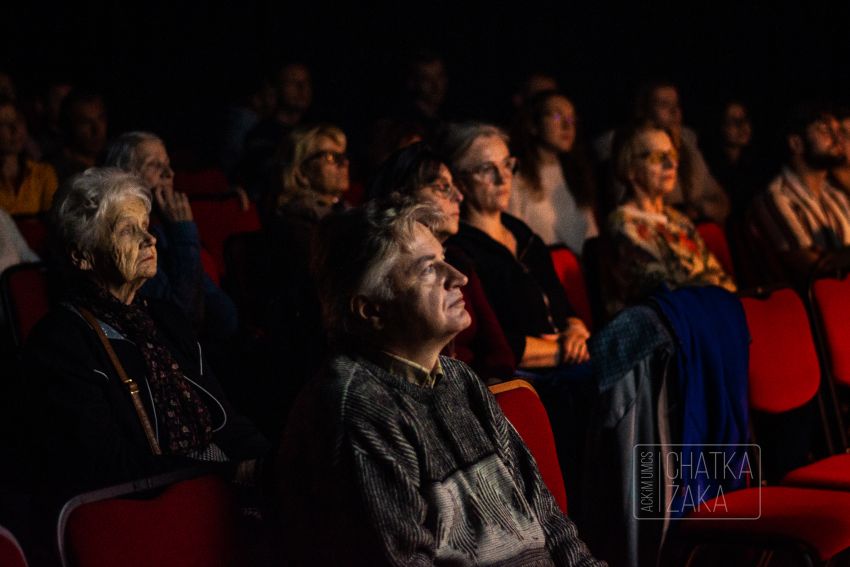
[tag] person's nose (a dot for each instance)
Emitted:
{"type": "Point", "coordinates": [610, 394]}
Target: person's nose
{"type": "Point", "coordinates": [148, 239]}
{"type": "Point", "coordinates": [454, 277]}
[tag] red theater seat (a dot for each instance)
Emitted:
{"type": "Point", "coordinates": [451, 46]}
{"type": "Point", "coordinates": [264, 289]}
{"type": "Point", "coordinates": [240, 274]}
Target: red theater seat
{"type": "Point", "coordinates": [11, 554]}
{"type": "Point", "coordinates": [201, 182]}
{"type": "Point", "coordinates": [716, 241]}
{"type": "Point", "coordinates": [568, 269]}
{"type": "Point", "coordinates": [34, 230]}
{"type": "Point", "coordinates": [189, 522]}
{"type": "Point", "coordinates": [525, 411]}
{"type": "Point", "coordinates": [25, 298]}
{"type": "Point", "coordinates": [219, 217]}
{"type": "Point", "coordinates": [831, 300]}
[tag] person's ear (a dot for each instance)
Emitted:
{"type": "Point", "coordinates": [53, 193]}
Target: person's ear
{"type": "Point", "coordinates": [795, 144]}
{"type": "Point", "coordinates": [81, 261]}
{"type": "Point", "coordinates": [300, 178]}
{"type": "Point", "coordinates": [370, 312]}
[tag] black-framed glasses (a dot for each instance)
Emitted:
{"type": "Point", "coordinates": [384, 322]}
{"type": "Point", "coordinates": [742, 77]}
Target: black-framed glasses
{"type": "Point", "coordinates": [489, 171]}
{"type": "Point", "coordinates": [658, 157]}
{"type": "Point", "coordinates": [337, 158]}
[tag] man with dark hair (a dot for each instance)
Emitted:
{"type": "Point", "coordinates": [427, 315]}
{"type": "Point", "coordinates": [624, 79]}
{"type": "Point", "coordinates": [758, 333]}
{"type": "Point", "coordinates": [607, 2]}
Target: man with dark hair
{"type": "Point", "coordinates": [83, 121]}
{"type": "Point", "coordinates": [393, 454]}
{"type": "Point", "coordinates": [839, 176]}
{"type": "Point", "coordinates": [801, 214]}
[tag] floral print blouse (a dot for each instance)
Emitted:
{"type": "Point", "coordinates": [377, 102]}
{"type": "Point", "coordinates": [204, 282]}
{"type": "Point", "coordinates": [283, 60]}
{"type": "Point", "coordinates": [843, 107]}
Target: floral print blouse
{"type": "Point", "coordinates": [653, 248]}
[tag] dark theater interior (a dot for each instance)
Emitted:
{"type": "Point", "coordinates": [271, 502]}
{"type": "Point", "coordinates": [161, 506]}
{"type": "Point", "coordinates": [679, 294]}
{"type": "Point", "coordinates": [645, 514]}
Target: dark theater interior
{"type": "Point", "coordinates": [424, 283]}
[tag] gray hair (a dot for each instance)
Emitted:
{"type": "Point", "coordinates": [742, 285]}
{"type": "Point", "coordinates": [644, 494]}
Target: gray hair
{"type": "Point", "coordinates": [354, 251]}
{"type": "Point", "coordinates": [79, 211]}
{"type": "Point", "coordinates": [123, 151]}
{"type": "Point", "coordinates": [458, 138]}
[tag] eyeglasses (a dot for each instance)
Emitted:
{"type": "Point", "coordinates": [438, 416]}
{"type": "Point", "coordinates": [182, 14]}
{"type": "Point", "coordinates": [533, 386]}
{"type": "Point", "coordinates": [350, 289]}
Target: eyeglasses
{"type": "Point", "coordinates": [489, 171]}
{"type": "Point", "coordinates": [658, 157]}
{"type": "Point", "coordinates": [337, 158]}
{"type": "Point", "coordinates": [443, 189]}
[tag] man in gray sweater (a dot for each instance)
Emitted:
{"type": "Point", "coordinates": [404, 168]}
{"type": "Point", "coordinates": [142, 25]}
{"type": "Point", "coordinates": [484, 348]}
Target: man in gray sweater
{"type": "Point", "coordinates": [394, 455]}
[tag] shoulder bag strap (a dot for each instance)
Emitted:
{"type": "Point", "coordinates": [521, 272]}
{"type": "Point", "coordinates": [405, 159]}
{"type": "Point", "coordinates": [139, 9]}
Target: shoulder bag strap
{"type": "Point", "coordinates": [131, 385]}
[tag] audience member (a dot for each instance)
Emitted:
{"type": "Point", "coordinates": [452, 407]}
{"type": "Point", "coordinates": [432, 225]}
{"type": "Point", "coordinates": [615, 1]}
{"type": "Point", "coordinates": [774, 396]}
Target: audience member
{"type": "Point", "coordinates": [802, 214]}
{"type": "Point", "coordinates": [513, 263]}
{"type": "Point", "coordinates": [733, 158]}
{"type": "Point", "coordinates": [92, 434]}
{"type": "Point", "coordinates": [83, 121]}
{"type": "Point", "coordinates": [418, 173]}
{"type": "Point", "coordinates": [533, 83]}
{"type": "Point", "coordinates": [653, 243]}
{"type": "Point", "coordinates": [179, 278]}
{"type": "Point", "coordinates": [26, 186]}
{"type": "Point", "coordinates": [553, 190]}
{"type": "Point", "coordinates": [47, 131]}
{"type": "Point", "coordinates": [293, 87]}
{"type": "Point", "coordinates": [696, 192]}
{"type": "Point", "coordinates": [258, 102]}
{"type": "Point", "coordinates": [839, 175]}
{"type": "Point", "coordinates": [427, 85]}
{"type": "Point", "coordinates": [393, 454]}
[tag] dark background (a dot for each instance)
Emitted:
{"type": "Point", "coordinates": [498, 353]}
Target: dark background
{"type": "Point", "coordinates": [172, 67]}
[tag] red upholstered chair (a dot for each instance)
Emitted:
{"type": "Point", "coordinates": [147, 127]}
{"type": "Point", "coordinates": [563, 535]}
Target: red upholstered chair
{"type": "Point", "coordinates": [210, 181]}
{"type": "Point", "coordinates": [189, 521]}
{"type": "Point", "coordinates": [784, 375]}
{"type": "Point", "coordinates": [11, 554]}
{"type": "Point", "coordinates": [831, 303]}
{"type": "Point", "coordinates": [34, 230]}
{"type": "Point", "coordinates": [568, 269]}
{"type": "Point", "coordinates": [217, 218]}
{"type": "Point", "coordinates": [716, 241]}
{"type": "Point", "coordinates": [25, 298]}
{"type": "Point", "coordinates": [523, 408]}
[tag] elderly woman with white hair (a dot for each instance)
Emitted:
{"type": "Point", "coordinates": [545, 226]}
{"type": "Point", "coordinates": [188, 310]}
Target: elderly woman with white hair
{"type": "Point", "coordinates": [180, 278]}
{"type": "Point", "coordinates": [122, 380]}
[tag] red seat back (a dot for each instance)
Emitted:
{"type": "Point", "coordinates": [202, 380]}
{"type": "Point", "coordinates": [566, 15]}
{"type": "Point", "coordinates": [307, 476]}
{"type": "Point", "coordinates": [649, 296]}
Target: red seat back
{"type": "Point", "coordinates": [784, 371]}
{"type": "Point", "coordinates": [190, 523]}
{"type": "Point", "coordinates": [25, 298]}
{"type": "Point", "coordinates": [717, 243]}
{"type": "Point", "coordinates": [210, 181]}
{"type": "Point", "coordinates": [832, 301]}
{"type": "Point", "coordinates": [11, 554]}
{"type": "Point", "coordinates": [218, 218]}
{"type": "Point", "coordinates": [34, 230]}
{"type": "Point", "coordinates": [525, 411]}
{"type": "Point", "coordinates": [568, 269]}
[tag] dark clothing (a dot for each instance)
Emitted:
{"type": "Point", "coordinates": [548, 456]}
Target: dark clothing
{"type": "Point", "coordinates": [92, 435]}
{"type": "Point", "coordinates": [379, 471]}
{"type": "Point", "coordinates": [713, 359]}
{"type": "Point", "coordinates": [255, 171]}
{"type": "Point", "coordinates": [180, 279]}
{"type": "Point", "coordinates": [482, 345]}
{"type": "Point", "coordinates": [633, 358]}
{"type": "Point", "coordinates": [524, 291]}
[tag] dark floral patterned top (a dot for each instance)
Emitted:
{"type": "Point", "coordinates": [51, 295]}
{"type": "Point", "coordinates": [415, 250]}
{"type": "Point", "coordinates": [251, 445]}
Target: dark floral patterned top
{"type": "Point", "coordinates": [651, 249]}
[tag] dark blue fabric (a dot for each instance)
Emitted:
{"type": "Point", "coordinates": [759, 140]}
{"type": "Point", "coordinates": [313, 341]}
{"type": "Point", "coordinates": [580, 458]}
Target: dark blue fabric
{"type": "Point", "coordinates": [713, 356]}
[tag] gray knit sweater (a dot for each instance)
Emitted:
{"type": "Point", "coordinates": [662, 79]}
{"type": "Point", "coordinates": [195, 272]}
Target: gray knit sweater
{"type": "Point", "coordinates": [375, 470]}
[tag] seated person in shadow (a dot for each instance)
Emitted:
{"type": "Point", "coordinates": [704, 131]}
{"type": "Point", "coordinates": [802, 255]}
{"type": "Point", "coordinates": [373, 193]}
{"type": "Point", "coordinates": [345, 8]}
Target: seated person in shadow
{"type": "Point", "coordinates": [652, 242]}
{"type": "Point", "coordinates": [89, 432]}
{"type": "Point", "coordinates": [417, 173]}
{"type": "Point", "coordinates": [394, 455]}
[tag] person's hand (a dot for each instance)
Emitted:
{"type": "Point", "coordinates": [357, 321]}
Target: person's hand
{"type": "Point", "coordinates": [575, 342]}
{"type": "Point", "coordinates": [173, 205]}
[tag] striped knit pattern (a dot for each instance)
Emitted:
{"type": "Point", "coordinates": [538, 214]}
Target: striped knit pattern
{"type": "Point", "coordinates": [378, 471]}
{"type": "Point", "coordinates": [794, 219]}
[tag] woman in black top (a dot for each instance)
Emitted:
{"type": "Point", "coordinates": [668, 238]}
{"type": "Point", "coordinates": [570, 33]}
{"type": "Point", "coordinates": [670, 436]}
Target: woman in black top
{"type": "Point", "coordinates": [513, 263]}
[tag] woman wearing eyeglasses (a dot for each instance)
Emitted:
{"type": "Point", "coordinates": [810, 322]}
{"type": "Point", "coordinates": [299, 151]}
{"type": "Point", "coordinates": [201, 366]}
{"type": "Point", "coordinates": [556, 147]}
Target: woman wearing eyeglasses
{"type": "Point", "coordinates": [553, 189]}
{"type": "Point", "coordinates": [416, 172]}
{"type": "Point", "coordinates": [652, 242]}
{"type": "Point", "coordinates": [512, 261]}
